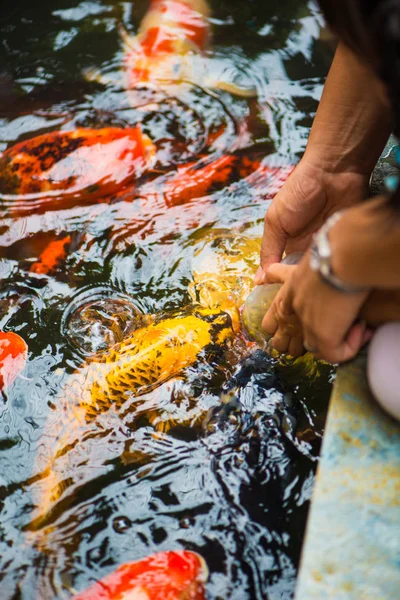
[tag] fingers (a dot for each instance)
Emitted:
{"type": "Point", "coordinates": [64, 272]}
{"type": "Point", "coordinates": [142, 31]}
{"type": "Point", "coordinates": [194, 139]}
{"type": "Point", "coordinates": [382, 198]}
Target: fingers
{"type": "Point", "coordinates": [288, 336]}
{"type": "Point", "coordinates": [296, 346]}
{"type": "Point", "coordinates": [273, 242]}
{"type": "Point", "coordinates": [346, 350]}
{"type": "Point", "coordinates": [280, 314]}
{"type": "Point", "coordinates": [278, 273]}
{"type": "Point", "coordinates": [282, 324]}
{"type": "Point", "coordinates": [305, 308]}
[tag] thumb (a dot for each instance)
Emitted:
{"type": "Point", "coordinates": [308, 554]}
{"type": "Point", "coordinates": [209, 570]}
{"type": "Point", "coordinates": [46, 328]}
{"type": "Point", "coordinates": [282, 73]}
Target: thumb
{"type": "Point", "coordinates": [273, 243]}
{"type": "Point", "coordinates": [349, 347]}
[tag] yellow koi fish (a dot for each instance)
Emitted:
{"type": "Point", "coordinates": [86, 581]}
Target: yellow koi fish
{"type": "Point", "coordinates": [151, 356]}
{"type": "Point", "coordinates": [223, 268]}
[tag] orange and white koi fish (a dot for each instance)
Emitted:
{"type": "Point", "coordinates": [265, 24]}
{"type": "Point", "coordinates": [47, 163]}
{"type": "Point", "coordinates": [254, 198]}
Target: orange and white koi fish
{"type": "Point", "coordinates": [169, 35]}
{"type": "Point", "coordinates": [178, 575]}
{"type": "Point", "coordinates": [13, 353]}
{"type": "Point", "coordinates": [65, 168]}
{"type": "Point", "coordinates": [169, 49]}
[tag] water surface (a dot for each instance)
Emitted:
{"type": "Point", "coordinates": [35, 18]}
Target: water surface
{"type": "Point", "coordinates": [235, 489]}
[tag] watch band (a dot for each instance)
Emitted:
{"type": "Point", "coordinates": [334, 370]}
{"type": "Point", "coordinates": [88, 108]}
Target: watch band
{"type": "Point", "coordinates": [321, 255]}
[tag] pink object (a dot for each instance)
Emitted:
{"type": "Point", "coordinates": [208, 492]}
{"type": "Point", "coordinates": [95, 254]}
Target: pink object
{"type": "Point", "coordinates": [383, 367]}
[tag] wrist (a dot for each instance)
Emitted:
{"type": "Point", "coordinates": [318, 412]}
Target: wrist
{"type": "Point", "coordinates": [321, 258]}
{"type": "Point", "coordinates": [350, 184]}
{"type": "Point", "coordinates": [334, 160]}
{"type": "Point", "coordinates": [365, 245]}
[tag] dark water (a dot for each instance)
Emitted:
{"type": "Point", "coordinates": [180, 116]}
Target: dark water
{"type": "Point", "coordinates": [233, 485]}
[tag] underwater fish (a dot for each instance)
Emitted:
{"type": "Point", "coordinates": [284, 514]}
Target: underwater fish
{"type": "Point", "coordinates": [52, 256]}
{"type": "Point", "coordinates": [168, 50]}
{"type": "Point", "coordinates": [197, 179]}
{"type": "Point", "coordinates": [223, 268]}
{"type": "Point", "coordinates": [65, 168]}
{"type": "Point", "coordinates": [178, 575]}
{"type": "Point", "coordinates": [223, 271]}
{"type": "Point", "coordinates": [150, 356]}
{"type": "Point", "coordinates": [170, 33]}
{"type": "Point", "coordinates": [256, 387]}
{"type": "Point", "coordinates": [13, 353]}
{"type": "Point", "coordinates": [201, 178]}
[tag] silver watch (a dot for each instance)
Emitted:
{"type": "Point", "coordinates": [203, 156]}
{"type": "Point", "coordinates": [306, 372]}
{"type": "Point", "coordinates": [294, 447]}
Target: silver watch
{"type": "Point", "coordinates": [321, 255]}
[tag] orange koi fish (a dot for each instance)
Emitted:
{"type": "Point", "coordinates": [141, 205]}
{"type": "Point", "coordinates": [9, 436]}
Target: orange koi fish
{"type": "Point", "coordinates": [199, 179]}
{"type": "Point", "coordinates": [170, 33]}
{"type": "Point", "coordinates": [65, 168]}
{"type": "Point", "coordinates": [52, 257]}
{"type": "Point", "coordinates": [13, 353]}
{"type": "Point", "coordinates": [178, 575]}
{"type": "Point", "coordinates": [196, 179]}
{"type": "Point", "coordinates": [169, 48]}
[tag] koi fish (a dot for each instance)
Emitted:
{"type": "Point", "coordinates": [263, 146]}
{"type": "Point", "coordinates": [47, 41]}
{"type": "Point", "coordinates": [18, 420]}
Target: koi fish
{"type": "Point", "coordinates": [64, 168]}
{"type": "Point", "coordinates": [52, 257]}
{"type": "Point", "coordinates": [199, 179]}
{"type": "Point", "coordinates": [178, 575]}
{"type": "Point", "coordinates": [13, 353]}
{"type": "Point", "coordinates": [223, 271]}
{"type": "Point", "coordinates": [168, 50]}
{"type": "Point", "coordinates": [149, 357]}
{"type": "Point", "coordinates": [195, 180]}
{"type": "Point", "coordinates": [223, 277]}
{"type": "Point", "coordinates": [170, 33]}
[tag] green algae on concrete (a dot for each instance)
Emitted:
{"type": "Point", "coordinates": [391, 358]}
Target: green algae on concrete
{"type": "Point", "coordinates": [352, 545]}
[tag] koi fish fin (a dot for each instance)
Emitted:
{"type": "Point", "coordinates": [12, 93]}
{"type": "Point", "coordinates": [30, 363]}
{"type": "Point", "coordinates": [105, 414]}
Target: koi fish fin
{"type": "Point", "coordinates": [95, 75]}
{"type": "Point", "coordinates": [235, 90]}
{"type": "Point", "coordinates": [129, 40]}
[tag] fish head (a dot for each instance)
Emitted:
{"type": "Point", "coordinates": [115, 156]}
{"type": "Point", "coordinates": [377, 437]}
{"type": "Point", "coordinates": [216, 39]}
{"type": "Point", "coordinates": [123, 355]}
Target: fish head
{"type": "Point", "coordinates": [178, 575]}
{"type": "Point", "coordinates": [223, 270]}
{"type": "Point", "coordinates": [168, 23]}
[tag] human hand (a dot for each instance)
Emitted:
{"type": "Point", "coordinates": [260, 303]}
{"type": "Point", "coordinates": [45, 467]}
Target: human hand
{"type": "Point", "coordinates": [308, 198]}
{"type": "Point", "coordinates": [308, 311]}
{"type": "Point", "coordinates": [381, 306]}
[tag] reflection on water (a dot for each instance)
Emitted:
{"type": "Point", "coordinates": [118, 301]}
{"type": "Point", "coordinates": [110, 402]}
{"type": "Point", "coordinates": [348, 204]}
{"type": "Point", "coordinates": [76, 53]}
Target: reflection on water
{"type": "Point", "coordinates": [220, 458]}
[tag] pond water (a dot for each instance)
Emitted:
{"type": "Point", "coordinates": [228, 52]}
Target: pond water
{"type": "Point", "coordinates": [233, 485]}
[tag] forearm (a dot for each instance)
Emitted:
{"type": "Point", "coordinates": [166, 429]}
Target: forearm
{"type": "Point", "coordinates": [353, 119]}
{"type": "Point", "coordinates": [366, 245]}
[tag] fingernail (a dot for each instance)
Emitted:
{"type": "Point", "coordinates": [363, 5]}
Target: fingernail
{"type": "Point", "coordinates": [258, 277]}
